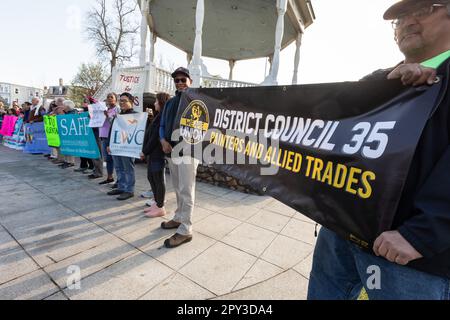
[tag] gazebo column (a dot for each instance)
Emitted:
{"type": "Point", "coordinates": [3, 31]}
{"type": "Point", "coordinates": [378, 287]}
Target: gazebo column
{"type": "Point", "coordinates": [153, 39]}
{"type": "Point", "coordinates": [273, 75]}
{"type": "Point", "coordinates": [189, 58]}
{"type": "Point", "coordinates": [270, 58]}
{"type": "Point", "coordinates": [144, 30]}
{"type": "Point", "coordinates": [195, 67]}
{"type": "Point", "coordinates": [297, 58]}
{"type": "Point", "coordinates": [232, 63]}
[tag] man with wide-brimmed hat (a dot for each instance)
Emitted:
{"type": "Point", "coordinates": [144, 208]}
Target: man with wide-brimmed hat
{"type": "Point", "coordinates": [412, 259]}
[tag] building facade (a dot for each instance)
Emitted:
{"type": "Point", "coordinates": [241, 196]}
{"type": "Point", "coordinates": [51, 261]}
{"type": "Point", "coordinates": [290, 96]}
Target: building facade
{"type": "Point", "coordinates": [59, 91]}
{"type": "Point", "coordinates": [17, 93]}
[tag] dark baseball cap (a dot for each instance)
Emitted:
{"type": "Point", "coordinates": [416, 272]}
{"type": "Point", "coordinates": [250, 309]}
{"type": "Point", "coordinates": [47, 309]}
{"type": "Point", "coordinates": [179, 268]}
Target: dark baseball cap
{"type": "Point", "coordinates": [403, 6]}
{"type": "Point", "coordinates": [181, 70]}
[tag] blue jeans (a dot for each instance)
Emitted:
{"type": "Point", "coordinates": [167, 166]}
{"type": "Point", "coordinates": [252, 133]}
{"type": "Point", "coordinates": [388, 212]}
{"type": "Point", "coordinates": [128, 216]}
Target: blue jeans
{"type": "Point", "coordinates": [340, 270]}
{"type": "Point", "coordinates": [108, 158]}
{"type": "Point", "coordinates": [125, 173]}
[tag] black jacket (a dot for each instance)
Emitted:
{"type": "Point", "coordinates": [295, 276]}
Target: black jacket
{"type": "Point", "coordinates": [423, 215]}
{"type": "Point", "coordinates": [152, 146]}
{"type": "Point", "coordinates": [168, 118]}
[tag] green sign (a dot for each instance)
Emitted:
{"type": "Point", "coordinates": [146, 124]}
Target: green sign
{"type": "Point", "coordinates": [51, 131]}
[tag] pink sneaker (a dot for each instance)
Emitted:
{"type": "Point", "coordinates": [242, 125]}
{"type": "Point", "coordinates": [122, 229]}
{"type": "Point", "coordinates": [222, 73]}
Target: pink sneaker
{"type": "Point", "coordinates": [156, 212]}
{"type": "Point", "coordinates": [151, 208]}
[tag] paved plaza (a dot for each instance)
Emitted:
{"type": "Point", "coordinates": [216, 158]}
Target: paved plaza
{"type": "Point", "coordinates": [55, 222]}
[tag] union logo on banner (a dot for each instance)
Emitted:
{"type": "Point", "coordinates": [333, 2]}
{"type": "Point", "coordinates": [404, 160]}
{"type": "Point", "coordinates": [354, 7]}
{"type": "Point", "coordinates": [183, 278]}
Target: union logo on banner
{"type": "Point", "coordinates": [194, 122]}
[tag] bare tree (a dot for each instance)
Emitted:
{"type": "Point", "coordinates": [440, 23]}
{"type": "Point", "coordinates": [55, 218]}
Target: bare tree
{"type": "Point", "coordinates": [87, 82]}
{"type": "Point", "coordinates": [113, 34]}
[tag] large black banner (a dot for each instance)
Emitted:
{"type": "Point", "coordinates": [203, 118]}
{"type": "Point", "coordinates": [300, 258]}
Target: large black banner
{"type": "Point", "coordinates": [337, 153]}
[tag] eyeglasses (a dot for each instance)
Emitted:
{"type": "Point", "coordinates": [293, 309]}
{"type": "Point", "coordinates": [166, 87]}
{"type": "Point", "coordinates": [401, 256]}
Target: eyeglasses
{"type": "Point", "coordinates": [124, 101]}
{"type": "Point", "coordinates": [182, 80]}
{"type": "Point", "coordinates": [419, 13]}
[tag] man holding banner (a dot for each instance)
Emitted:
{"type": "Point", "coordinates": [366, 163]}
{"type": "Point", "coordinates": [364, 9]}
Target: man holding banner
{"type": "Point", "coordinates": [412, 259]}
{"type": "Point", "coordinates": [183, 170]}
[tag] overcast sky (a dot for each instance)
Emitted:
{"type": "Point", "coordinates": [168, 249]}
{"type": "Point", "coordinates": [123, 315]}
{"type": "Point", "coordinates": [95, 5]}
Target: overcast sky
{"type": "Point", "coordinates": [43, 41]}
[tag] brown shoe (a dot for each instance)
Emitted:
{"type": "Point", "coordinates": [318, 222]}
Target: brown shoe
{"type": "Point", "coordinates": [170, 224]}
{"type": "Point", "coordinates": [176, 240]}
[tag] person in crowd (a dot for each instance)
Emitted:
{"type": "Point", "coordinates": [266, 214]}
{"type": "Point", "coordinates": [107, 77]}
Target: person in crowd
{"type": "Point", "coordinates": [152, 150]}
{"type": "Point", "coordinates": [183, 174]}
{"type": "Point", "coordinates": [2, 114]}
{"type": "Point", "coordinates": [26, 111]}
{"type": "Point", "coordinates": [51, 107]}
{"type": "Point", "coordinates": [98, 163]}
{"type": "Point", "coordinates": [37, 111]}
{"type": "Point", "coordinates": [110, 113]}
{"type": "Point", "coordinates": [68, 108]}
{"type": "Point", "coordinates": [413, 258]}
{"type": "Point", "coordinates": [124, 165]}
{"type": "Point", "coordinates": [148, 194]}
{"type": "Point", "coordinates": [86, 164]}
{"type": "Point", "coordinates": [50, 112]}
{"type": "Point", "coordinates": [58, 109]}
{"type": "Point", "coordinates": [15, 109]}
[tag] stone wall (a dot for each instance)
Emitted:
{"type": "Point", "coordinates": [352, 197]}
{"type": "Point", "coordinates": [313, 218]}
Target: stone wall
{"type": "Point", "coordinates": [212, 176]}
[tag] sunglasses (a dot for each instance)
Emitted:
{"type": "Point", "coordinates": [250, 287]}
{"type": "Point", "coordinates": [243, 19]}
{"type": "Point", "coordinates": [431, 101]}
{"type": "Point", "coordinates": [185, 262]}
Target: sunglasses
{"type": "Point", "coordinates": [419, 13]}
{"type": "Point", "coordinates": [182, 80]}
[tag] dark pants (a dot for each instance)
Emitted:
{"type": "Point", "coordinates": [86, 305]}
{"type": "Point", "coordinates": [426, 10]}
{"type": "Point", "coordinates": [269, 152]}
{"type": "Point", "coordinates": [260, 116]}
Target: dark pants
{"type": "Point", "coordinates": [98, 163]}
{"type": "Point", "coordinates": [85, 162]}
{"type": "Point", "coordinates": [156, 179]}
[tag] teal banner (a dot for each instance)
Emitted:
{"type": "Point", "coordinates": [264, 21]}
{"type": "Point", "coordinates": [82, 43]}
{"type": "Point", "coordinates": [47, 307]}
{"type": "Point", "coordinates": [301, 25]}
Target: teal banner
{"type": "Point", "coordinates": [77, 138]}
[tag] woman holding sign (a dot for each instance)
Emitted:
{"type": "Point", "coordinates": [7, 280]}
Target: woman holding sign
{"type": "Point", "coordinates": [110, 113]}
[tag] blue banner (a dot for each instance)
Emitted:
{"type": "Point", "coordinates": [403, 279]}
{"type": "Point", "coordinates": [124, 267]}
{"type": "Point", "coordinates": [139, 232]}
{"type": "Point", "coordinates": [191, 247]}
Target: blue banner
{"type": "Point", "coordinates": [77, 138]}
{"type": "Point", "coordinates": [36, 141]}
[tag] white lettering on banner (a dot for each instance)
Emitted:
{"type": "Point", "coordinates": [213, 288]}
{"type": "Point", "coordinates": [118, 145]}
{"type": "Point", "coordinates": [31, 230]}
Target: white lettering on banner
{"type": "Point", "coordinates": [77, 127]}
{"type": "Point", "coordinates": [359, 139]}
{"type": "Point", "coordinates": [370, 139]}
{"type": "Point", "coordinates": [127, 135]}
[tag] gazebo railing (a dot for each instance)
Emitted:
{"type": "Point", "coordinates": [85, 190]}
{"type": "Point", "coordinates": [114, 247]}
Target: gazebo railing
{"type": "Point", "coordinates": [160, 80]}
{"type": "Point", "coordinates": [208, 82]}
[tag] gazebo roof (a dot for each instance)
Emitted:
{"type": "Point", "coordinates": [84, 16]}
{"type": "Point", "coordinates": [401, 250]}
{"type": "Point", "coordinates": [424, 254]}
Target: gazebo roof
{"type": "Point", "coordinates": [232, 29]}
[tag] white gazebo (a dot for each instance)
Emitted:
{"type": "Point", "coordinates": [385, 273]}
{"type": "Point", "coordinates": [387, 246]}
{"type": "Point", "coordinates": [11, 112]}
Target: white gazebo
{"type": "Point", "coordinates": [231, 30]}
